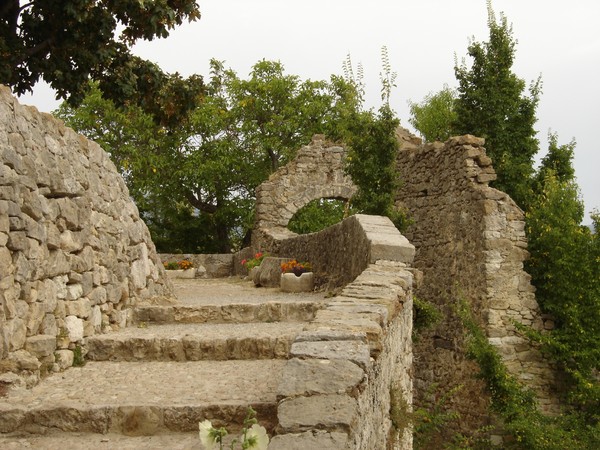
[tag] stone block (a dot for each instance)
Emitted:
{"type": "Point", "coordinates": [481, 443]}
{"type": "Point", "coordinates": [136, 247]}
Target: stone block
{"type": "Point", "coordinates": [74, 326]}
{"type": "Point", "coordinates": [319, 376]}
{"type": "Point", "coordinates": [335, 412]}
{"type": "Point", "coordinates": [314, 439]}
{"type": "Point", "coordinates": [24, 360]}
{"type": "Point", "coordinates": [64, 359]}
{"type": "Point", "coordinates": [41, 345]}
{"type": "Point", "coordinates": [354, 351]}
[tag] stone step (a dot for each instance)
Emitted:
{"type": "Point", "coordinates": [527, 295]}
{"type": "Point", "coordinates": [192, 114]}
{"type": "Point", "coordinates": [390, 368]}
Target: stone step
{"type": "Point", "coordinates": [97, 441]}
{"type": "Point", "coordinates": [195, 342]}
{"type": "Point", "coordinates": [293, 310]}
{"type": "Point", "coordinates": [145, 398]}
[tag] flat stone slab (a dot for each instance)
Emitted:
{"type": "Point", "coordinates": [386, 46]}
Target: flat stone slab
{"type": "Point", "coordinates": [223, 291]}
{"type": "Point", "coordinates": [272, 311]}
{"type": "Point", "coordinates": [309, 440]}
{"type": "Point", "coordinates": [145, 398]}
{"type": "Point", "coordinates": [96, 441]}
{"type": "Point", "coordinates": [196, 342]}
{"type": "Point", "coordinates": [354, 351]}
{"type": "Point", "coordinates": [319, 376]}
{"type": "Point", "coordinates": [332, 412]}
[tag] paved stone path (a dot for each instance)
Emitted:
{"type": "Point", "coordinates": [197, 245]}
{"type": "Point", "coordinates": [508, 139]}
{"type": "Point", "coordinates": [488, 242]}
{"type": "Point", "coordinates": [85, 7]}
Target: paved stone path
{"type": "Point", "coordinates": [219, 349]}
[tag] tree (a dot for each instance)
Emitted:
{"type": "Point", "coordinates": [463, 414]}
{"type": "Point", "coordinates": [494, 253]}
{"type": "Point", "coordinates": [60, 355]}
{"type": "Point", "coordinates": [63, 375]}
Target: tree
{"type": "Point", "coordinates": [565, 270]}
{"type": "Point", "coordinates": [67, 43]}
{"type": "Point", "coordinates": [232, 141]}
{"type": "Point", "coordinates": [434, 116]}
{"type": "Point", "coordinates": [491, 104]}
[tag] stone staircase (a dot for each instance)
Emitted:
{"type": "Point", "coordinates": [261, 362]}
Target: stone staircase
{"type": "Point", "coordinates": [219, 350]}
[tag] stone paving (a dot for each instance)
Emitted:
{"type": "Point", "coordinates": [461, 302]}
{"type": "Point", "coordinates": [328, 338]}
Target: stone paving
{"type": "Point", "coordinates": [156, 381]}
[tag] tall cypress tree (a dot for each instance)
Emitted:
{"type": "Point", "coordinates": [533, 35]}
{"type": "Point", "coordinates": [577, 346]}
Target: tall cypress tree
{"type": "Point", "coordinates": [492, 104]}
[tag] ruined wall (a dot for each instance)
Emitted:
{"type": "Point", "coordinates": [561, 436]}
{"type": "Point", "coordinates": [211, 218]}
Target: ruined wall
{"type": "Point", "coordinates": [471, 244]}
{"type": "Point", "coordinates": [74, 254]}
{"type": "Point", "coordinates": [316, 172]}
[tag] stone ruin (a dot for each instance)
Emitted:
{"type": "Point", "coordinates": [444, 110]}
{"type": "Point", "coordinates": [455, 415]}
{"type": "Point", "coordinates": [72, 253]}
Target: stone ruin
{"type": "Point", "coordinates": [74, 254]}
{"type": "Point", "coordinates": [470, 244]}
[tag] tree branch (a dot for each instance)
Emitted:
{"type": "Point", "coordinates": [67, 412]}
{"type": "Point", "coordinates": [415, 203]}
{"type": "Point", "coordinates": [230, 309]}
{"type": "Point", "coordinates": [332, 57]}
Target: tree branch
{"type": "Point", "coordinates": [196, 202]}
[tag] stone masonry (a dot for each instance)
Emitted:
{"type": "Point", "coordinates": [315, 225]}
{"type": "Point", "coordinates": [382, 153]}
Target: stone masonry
{"type": "Point", "coordinates": [74, 254]}
{"type": "Point", "coordinates": [316, 172]}
{"type": "Point", "coordinates": [471, 244]}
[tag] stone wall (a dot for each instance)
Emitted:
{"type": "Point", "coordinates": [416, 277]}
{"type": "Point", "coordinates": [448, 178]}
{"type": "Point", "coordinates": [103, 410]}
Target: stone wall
{"type": "Point", "coordinates": [353, 362]}
{"type": "Point", "coordinates": [316, 172]}
{"type": "Point", "coordinates": [74, 254]}
{"type": "Point", "coordinates": [471, 244]}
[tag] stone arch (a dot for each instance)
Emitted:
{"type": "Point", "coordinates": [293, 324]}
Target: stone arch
{"type": "Point", "coordinates": [316, 172]}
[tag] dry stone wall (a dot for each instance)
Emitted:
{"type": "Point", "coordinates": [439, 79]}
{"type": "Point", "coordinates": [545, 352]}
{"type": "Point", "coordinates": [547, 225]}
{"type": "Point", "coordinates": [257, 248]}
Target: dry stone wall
{"type": "Point", "coordinates": [471, 244]}
{"type": "Point", "coordinates": [74, 254]}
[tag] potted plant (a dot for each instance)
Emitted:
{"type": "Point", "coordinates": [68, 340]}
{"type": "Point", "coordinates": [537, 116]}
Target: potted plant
{"type": "Point", "coordinates": [296, 276]}
{"type": "Point", "coordinates": [180, 269]}
{"type": "Point", "coordinates": [252, 264]}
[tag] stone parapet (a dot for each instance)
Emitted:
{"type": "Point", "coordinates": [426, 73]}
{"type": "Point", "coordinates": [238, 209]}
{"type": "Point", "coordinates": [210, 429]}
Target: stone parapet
{"type": "Point", "coordinates": [351, 363]}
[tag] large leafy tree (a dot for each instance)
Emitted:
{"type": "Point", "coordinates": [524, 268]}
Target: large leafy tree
{"type": "Point", "coordinates": [492, 104]}
{"type": "Point", "coordinates": [67, 43]}
{"type": "Point", "coordinates": [209, 167]}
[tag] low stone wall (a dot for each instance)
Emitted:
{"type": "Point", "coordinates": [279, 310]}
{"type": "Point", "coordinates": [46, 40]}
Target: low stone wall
{"type": "Point", "coordinates": [74, 254]}
{"type": "Point", "coordinates": [355, 358]}
{"type": "Point", "coordinates": [343, 251]}
{"type": "Point", "coordinates": [217, 265]}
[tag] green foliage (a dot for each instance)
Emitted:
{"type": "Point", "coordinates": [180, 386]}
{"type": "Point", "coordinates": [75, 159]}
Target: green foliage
{"type": "Point", "coordinates": [194, 183]}
{"type": "Point", "coordinates": [517, 406]}
{"type": "Point", "coordinates": [371, 162]}
{"type": "Point", "coordinates": [434, 116]}
{"type": "Point", "coordinates": [67, 43]}
{"type": "Point", "coordinates": [430, 423]}
{"type": "Point", "coordinates": [78, 358]}
{"type": "Point", "coordinates": [565, 270]}
{"type": "Point", "coordinates": [425, 315]}
{"type": "Point", "coordinates": [491, 104]}
{"type": "Point", "coordinates": [318, 215]}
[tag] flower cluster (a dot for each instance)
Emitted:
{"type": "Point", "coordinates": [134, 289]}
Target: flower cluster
{"type": "Point", "coordinates": [254, 262]}
{"type": "Point", "coordinates": [181, 265]}
{"type": "Point", "coordinates": [295, 267]}
{"type": "Point", "coordinates": [254, 436]}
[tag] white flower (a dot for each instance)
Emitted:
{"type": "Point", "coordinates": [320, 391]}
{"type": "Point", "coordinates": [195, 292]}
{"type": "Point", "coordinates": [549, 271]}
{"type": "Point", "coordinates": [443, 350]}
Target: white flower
{"type": "Point", "coordinates": [207, 435]}
{"type": "Point", "coordinates": [257, 438]}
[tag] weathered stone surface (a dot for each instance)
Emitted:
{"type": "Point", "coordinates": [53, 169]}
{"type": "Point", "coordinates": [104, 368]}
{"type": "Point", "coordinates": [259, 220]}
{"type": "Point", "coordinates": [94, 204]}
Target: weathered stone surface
{"type": "Point", "coordinates": [315, 439]}
{"type": "Point", "coordinates": [41, 345]}
{"type": "Point", "coordinates": [354, 351]}
{"type": "Point", "coordinates": [319, 376]}
{"type": "Point", "coordinates": [64, 359]}
{"type": "Point", "coordinates": [74, 327]}
{"type": "Point", "coordinates": [333, 412]}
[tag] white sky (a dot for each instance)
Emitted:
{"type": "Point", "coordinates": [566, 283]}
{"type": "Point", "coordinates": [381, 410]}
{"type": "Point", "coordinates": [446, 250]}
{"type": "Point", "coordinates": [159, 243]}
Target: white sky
{"type": "Point", "coordinates": [557, 39]}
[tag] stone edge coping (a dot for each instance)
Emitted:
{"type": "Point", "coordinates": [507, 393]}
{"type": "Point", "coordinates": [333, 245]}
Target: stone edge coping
{"type": "Point", "coordinates": [317, 396]}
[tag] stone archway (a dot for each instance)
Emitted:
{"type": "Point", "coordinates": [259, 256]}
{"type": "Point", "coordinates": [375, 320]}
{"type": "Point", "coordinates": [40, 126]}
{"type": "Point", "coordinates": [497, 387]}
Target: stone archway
{"type": "Point", "coordinates": [316, 172]}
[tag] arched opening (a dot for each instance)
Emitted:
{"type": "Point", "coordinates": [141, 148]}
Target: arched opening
{"type": "Point", "coordinates": [318, 214]}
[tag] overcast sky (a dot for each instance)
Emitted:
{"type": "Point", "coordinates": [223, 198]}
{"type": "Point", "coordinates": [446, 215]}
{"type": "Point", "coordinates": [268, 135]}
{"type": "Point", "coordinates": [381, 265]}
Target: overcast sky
{"type": "Point", "coordinates": [556, 39]}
